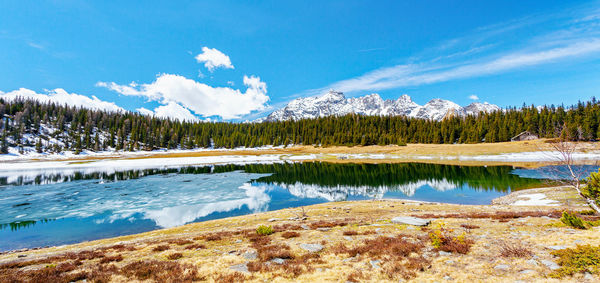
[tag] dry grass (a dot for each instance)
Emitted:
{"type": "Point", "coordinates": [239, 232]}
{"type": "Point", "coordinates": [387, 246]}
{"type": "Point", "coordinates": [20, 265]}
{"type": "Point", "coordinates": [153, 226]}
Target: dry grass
{"type": "Point", "coordinates": [175, 256]}
{"type": "Point", "coordinates": [161, 248]}
{"type": "Point", "coordinates": [514, 249]}
{"type": "Point", "coordinates": [290, 234]}
{"type": "Point", "coordinates": [500, 215]}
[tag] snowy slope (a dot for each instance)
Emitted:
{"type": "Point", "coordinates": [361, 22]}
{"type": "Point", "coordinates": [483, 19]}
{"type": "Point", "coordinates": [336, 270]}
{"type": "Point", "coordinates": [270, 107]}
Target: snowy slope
{"type": "Point", "coordinates": [335, 103]}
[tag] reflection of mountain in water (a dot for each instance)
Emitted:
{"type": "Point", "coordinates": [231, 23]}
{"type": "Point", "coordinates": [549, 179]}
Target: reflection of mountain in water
{"type": "Point", "coordinates": [341, 192]}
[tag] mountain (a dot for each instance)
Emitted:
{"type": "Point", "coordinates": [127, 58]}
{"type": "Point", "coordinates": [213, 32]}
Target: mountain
{"type": "Point", "coordinates": [335, 103]}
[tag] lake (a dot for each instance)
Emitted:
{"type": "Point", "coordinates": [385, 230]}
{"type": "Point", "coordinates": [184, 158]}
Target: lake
{"type": "Point", "coordinates": [61, 207]}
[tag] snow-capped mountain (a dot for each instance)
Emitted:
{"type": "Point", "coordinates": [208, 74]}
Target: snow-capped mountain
{"type": "Point", "coordinates": [335, 103]}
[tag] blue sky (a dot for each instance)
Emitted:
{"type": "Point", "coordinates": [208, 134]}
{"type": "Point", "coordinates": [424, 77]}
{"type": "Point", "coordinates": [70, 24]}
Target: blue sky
{"type": "Point", "coordinates": [238, 60]}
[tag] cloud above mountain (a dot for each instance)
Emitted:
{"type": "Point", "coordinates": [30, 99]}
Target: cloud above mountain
{"type": "Point", "coordinates": [179, 92]}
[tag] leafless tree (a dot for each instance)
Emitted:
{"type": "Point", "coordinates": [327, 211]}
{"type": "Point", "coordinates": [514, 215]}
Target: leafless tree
{"type": "Point", "coordinates": [567, 172]}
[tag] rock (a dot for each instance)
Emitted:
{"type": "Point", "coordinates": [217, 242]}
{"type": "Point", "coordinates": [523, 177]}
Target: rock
{"type": "Point", "coordinates": [238, 241]}
{"type": "Point", "coordinates": [532, 262]}
{"type": "Point", "coordinates": [503, 267]}
{"type": "Point", "coordinates": [577, 242]}
{"type": "Point", "coordinates": [450, 261]}
{"type": "Point", "coordinates": [527, 271]}
{"type": "Point", "coordinates": [278, 260]}
{"type": "Point", "coordinates": [313, 248]}
{"type": "Point", "coordinates": [250, 255]}
{"type": "Point", "coordinates": [273, 219]}
{"type": "Point", "coordinates": [240, 268]}
{"type": "Point", "coordinates": [443, 253]}
{"type": "Point", "coordinates": [21, 256]}
{"type": "Point", "coordinates": [411, 221]}
{"type": "Point", "coordinates": [323, 229]}
{"type": "Point", "coordinates": [305, 227]}
{"type": "Point", "coordinates": [557, 247]}
{"type": "Point", "coordinates": [348, 238]}
{"type": "Point", "coordinates": [375, 263]}
{"type": "Point", "coordinates": [448, 278]}
{"type": "Point", "coordinates": [550, 264]}
{"type": "Point", "coordinates": [588, 276]}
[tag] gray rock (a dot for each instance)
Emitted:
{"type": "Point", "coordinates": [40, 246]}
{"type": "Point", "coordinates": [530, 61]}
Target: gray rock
{"type": "Point", "coordinates": [532, 262]}
{"type": "Point", "coordinates": [527, 271]}
{"type": "Point", "coordinates": [240, 268]}
{"type": "Point", "coordinates": [21, 256]}
{"type": "Point", "coordinates": [448, 278]}
{"type": "Point", "coordinates": [313, 248]}
{"type": "Point", "coordinates": [411, 221]}
{"type": "Point", "coordinates": [550, 264]}
{"type": "Point", "coordinates": [588, 276]}
{"type": "Point", "coordinates": [323, 229]}
{"type": "Point", "coordinates": [273, 219]}
{"type": "Point", "coordinates": [238, 241]}
{"type": "Point", "coordinates": [577, 242]}
{"type": "Point", "coordinates": [250, 255]}
{"type": "Point", "coordinates": [305, 227]}
{"type": "Point", "coordinates": [278, 260]}
{"type": "Point", "coordinates": [375, 263]}
{"type": "Point", "coordinates": [443, 253]}
{"type": "Point", "coordinates": [557, 247]}
{"type": "Point", "coordinates": [450, 262]}
{"type": "Point", "coordinates": [348, 238]}
{"type": "Point", "coordinates": [501, 267]}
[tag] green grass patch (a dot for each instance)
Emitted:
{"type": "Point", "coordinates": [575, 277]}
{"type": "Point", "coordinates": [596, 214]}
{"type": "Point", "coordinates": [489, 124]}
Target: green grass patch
{"type": "Point", "coordinates": [578, 260]}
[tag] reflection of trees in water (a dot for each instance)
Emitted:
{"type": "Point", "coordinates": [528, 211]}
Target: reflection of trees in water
{"type": "Point", "coordinates": [14, 226]}
{"type": "Point", "coordinates": [497, 178]}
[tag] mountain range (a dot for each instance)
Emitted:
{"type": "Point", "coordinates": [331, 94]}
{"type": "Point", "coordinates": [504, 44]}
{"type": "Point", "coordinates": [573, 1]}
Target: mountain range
{"type": "Point", "coordinates": [336, 104]}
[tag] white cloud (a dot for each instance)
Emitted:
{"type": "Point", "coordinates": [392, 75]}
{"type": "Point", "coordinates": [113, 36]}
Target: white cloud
{"type": "Point", "coordinates": [213, 58]}
{"type": "Point", "coordinates": [420, 74]}
{"type": "Point", "coordinates": [486, 52]}
{"type": "Point", "coordinates": [60, 96]}
{"type": "Point", "coordinates": [473, 97]}
{"type": "Point", "coordinates": [200, 98]}
{"type": "Point", "coordinates": [171, 110]}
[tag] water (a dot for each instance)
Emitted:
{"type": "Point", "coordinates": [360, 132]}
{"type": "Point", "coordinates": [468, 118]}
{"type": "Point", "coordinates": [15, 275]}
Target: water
{"type": "Point", "coordinates": [54, 208]}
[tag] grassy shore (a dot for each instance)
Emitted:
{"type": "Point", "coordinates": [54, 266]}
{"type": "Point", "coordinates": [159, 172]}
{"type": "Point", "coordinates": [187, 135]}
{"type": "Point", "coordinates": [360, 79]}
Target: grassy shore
{"type": "Point", "coordinates": [451, 154]}
{"type": "Point", "coordinates": [350, 241]}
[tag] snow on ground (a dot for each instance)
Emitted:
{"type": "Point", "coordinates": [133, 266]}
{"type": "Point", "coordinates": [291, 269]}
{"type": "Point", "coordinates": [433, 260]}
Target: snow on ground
{"type": "Point", "coordinates": [534, 199]}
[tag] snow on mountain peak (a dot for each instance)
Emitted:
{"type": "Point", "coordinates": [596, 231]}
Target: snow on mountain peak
{"type": "Point", "coordinates": [335, 103]}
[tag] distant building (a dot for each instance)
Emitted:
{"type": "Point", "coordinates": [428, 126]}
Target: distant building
{"type": "Point", "coordinates": [524, 136]}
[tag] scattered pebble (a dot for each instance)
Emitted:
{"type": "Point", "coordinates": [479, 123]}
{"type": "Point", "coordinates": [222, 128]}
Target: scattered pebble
{"type": "Point", "coordinates": [313, 248]}
{"type": "Point", "coordinates": [448, 278]}
{"type": "Point", "coordinates": [348, 238]}
{"type": "Point", "coordinates": [375, 263]}
{"type": "Point", "coordinates": [557, 247]}
{"type": "Point", "coordinates": [527, 271]}
{"type": "Point", "coordinates": [278, 260]}
{"type": "Point", "coordinates": [443, 253]}
{"type": "Point", "coordinates": [532, 262]}
{"type": "Point", "coordinates": [305, 227]}
{"type": "Point", "coordinates": [501, 267]}
{"type": "Point", "coordinates": [550, 264]}
{"type": "Point", "coordinates": [273, 219]}
{"type": "Point", "coordinates": [240, 268]}
{"type": "Point", "coordinates": [250, 255]}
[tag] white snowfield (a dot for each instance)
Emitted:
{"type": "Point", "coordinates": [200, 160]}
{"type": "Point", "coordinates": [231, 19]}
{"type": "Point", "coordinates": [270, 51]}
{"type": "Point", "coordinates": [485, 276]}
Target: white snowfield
{"type": "Point", "coordinates": [534, 199]}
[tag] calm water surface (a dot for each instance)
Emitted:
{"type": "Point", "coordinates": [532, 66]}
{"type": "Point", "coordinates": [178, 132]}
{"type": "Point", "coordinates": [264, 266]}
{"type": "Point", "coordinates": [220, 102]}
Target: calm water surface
{"type": "Point", "coordinates": [54, 208]}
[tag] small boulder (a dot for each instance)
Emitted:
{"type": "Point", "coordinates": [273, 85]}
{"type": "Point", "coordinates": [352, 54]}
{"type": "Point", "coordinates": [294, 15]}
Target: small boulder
{"type": "Point", "coordinates": [313, 248]}
{"type": "Point", "coordinates": [550, 264]}
{"type": "Point", "coordinates": [375, 263]}
{"type": "Point", "coordinates": [557, 247]}
{"type": "Point", "coordinates": [409, 220]}
{"type": "Point", "coordinates": [273, 219]}
{"type": "Point", "coordinates": [527, 271]}
{"type": "Point", "coordinates": [250, 255]}
{"type": "Point", "coordinates": [502, 267]}
{"type": "Point", "coordinates": [240, 268]}
{"type": "Point", "coordinates": [443, 253]}
{"type": "Point", "coordinates": [278, 260]}
{"type": "Point", "coordinates": [305, 227]}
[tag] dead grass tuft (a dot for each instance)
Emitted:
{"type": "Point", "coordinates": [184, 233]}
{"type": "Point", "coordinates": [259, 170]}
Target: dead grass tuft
{"type": "Point", "coordinates": [290, 234]}
{"type": "Point", "coordinates": [514, 250]}
{"type": "Point", "coordinates": [327, 224]}
{"type": "Point", "coordinates": [180, 242]}
{"type": "Point", "coordinates": [501, 215]}
{"type": "Point", "coordinates": [160, 271]}
{"type": "Point", "coordinates": [108, 259]}
{"type": "Point", "coordinates": [161, 248]}
{"type": "Point", "coordinates": [175, 256]}
{"type": "Point", "coordinates": [230, 277]}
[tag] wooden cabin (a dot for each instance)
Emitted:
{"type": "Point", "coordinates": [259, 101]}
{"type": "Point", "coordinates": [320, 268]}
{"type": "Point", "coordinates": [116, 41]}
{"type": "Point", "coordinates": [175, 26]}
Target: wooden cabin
{"type": "Point", "coordinates": [524, 136]}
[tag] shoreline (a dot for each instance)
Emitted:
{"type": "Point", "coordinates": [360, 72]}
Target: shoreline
{"type": "Point", "coordinates": [224, 254]}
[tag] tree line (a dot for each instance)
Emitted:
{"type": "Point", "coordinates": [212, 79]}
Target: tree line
{"type": "Point", "coordinates": [50, 127]}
